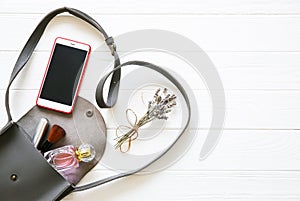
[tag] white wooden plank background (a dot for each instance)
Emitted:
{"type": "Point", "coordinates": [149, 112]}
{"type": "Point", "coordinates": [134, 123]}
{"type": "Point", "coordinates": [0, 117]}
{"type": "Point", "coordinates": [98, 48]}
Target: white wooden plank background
{"type": "Point", "coordinates": [255, 46]}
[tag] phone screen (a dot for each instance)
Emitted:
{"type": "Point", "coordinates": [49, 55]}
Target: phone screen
{"type": "Point", "coordinates": [63, 74]}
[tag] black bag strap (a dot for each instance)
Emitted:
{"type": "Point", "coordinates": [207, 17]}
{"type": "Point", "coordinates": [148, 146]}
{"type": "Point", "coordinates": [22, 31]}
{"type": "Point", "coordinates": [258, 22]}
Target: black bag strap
{"type": "Point", "coordinates": [100, 101]}
{"type": "Point", "coordinates": [37, 34]}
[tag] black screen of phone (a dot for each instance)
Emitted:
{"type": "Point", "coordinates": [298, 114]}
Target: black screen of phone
{"type": "Point", "coordinates": [63, 74]}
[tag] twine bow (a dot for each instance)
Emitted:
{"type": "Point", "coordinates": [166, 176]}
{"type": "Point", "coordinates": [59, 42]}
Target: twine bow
{"type": "Point", "coordinates": [130, 135]}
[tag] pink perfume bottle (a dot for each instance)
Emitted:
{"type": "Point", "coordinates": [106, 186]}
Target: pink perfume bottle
{"type": "Point", "coordinates": [67, 158]}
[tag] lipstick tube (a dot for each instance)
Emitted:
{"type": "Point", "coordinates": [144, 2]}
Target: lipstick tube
{"type": "Point", "coordinates": [40, 131]}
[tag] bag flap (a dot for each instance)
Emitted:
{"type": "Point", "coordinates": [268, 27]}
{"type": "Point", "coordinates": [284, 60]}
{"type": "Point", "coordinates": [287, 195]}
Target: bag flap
{"type": "Point", "coordinates": [25, 174]}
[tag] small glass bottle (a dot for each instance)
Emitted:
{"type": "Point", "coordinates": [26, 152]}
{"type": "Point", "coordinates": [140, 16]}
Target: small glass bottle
{"type": "Point", "coordinates": [67, 158]}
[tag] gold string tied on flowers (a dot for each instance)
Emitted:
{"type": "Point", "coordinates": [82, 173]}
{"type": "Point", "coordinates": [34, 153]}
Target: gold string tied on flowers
{"type": "Point", "coordinates": [124, 140]}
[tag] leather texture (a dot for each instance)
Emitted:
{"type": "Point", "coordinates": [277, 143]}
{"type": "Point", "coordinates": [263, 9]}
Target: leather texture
{"type": "Point", "coordinates": [35, 179]}
{"type": "Point", "coordinates": [84, 125]}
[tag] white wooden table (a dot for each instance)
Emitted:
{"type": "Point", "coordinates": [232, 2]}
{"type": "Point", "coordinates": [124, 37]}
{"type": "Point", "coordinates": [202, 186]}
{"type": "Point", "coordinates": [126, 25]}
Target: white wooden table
{"type": "Point", "coordinates": [255, 46]}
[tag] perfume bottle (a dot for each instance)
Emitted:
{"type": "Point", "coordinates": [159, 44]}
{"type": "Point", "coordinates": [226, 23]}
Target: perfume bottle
{"type": "Point", "coordinates": [67, 158]}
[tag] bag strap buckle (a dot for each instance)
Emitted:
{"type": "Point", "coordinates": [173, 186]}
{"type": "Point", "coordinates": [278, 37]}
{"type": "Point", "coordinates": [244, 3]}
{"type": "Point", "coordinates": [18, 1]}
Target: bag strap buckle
{"type": "Point", "coordinates": [111, 44]}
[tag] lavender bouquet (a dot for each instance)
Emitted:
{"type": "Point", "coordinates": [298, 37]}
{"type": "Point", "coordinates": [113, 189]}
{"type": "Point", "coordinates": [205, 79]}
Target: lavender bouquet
{"type": "Point", "coordinates": [158, 108]}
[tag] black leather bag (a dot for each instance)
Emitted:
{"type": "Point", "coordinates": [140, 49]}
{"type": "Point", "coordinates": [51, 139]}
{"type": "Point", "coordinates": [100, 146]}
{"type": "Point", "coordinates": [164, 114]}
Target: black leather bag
{"type": "Point", "coordinates": [24, 173]}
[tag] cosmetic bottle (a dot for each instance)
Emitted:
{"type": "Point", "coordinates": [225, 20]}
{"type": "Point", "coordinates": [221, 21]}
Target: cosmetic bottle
{"type": "Point", "coordinates": [67, 158]}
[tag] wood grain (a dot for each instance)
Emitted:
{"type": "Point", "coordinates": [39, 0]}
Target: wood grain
{"type": "Point", "coordinates": [244, 109]}
{"type": "Point", "coordinates": [212, 33]}
{"type": "Point", "coordinates": [197, 186]}
{"type": "Point", "coordinates": [250, 70]}
{"type": "Point", "coordinates": [158, 7]}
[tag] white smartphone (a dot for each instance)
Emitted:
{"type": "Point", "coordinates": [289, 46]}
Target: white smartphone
{"type": "Point", "coordinates": [63, 75]}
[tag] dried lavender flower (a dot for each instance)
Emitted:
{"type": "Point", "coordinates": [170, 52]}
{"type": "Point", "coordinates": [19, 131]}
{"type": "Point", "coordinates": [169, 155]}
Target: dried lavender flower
{"type": "Point", "coordinates": [158, 108]}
